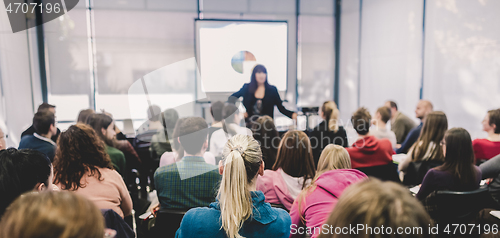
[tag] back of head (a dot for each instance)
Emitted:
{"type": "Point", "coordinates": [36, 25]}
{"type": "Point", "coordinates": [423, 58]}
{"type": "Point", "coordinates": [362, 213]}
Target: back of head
{"type": "Point", "coordinates": [176, 145]}
{"type": "Point", "coordinates": [169, 118]}
{"type": "Point", "coordinates": [229, 116]}
{"type": "Point", "coordinates": [385, 113]}
{"type": "Point", "coordinates": [333, 157]}
{"type": "Point", "coordinates": [295, 156]}
{"type": "Point", "coordinates": [45, 106]}
{"type": "Point", "coordinates": [52, 215]}
{"type": "Point", "coordinates": [361, 120]}
{"type": "Point", "coordinates": [154, 112]}
{"type": "Point", "coordinates": [216, 110]}
{"type": "Point", "coordinates": [494, 119]}
{"type": "Point", "coordinates": [265, 132]}
{"type": "Point", "coordinates": [393, 105]}
{"type": "Point", "coordinates": [433, 130]}
{"type": "Point", "coordinates": [20, 172]}
{"type": "Point", "coordinates": [193, 133]}
{"type": "Point", "coordinates": [100, 121]}
{"type": "Point", "coordinates": [84, 115]}
{"type": "Point", "coordinates": [79, 150]}
{"type": "Point", "coordinates": [377, 204]}
{"type": "Point", "coordinates": [242, 159]}
{"type": "Point", "coordinates": [331, 112]}
{"type": "Point", "coordinates": [43, 120]}
{"type": "Point", "coordinates": [459, 158]}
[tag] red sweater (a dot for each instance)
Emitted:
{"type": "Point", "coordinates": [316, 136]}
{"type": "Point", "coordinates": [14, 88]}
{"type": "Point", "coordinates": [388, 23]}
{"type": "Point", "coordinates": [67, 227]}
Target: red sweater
{"type": "Point", "coordinates": [370, 151]}
{"type": "Point", "coordinates": [485, 149]}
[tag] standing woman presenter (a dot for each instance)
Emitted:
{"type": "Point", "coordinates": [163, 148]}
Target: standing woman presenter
{"type": "Point", "coordinates": [259, 97]}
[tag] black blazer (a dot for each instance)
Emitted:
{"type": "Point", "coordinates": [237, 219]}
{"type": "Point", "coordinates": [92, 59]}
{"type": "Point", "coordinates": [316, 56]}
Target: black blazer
{"type": "Point", "coordinates": [271, 99]}
{"type": "Point", "coordinates": [320, 137]}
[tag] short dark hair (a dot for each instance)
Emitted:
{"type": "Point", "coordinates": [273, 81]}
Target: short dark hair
{"type": "Point", "coordinates": [216, 110]}
{"type": "Point", "coordinates": [361, 120]}
{"type": "Point", "coordinates": [193, 132]}
{"type": "Point", "coordinates": [385, 113]}
{"type": "Point", "coordinates": [45, 106]}
{"type": "Point", "coordinates": [43, 120]}
{"type": "Point", "coordinates": [494, 118]}
{"type": "Point", "coordinates": [84, 115]}
{"type": "Point", "coordinates": [21, 171]}
{"type": "Point", "coordinates": [393, 104]}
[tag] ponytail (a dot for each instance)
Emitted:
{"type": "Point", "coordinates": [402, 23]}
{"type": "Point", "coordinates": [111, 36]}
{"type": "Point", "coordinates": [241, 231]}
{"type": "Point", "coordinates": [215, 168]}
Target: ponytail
{"type": "Point", "coordinates": [242, 159]}
{"type": "Point", "coordinates": [331, 112]}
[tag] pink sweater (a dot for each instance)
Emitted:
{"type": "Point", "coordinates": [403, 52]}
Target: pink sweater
{"type": "Point", "coordinates": [110, 193]}
{"type": "Point", "coordinates": [316, 206]}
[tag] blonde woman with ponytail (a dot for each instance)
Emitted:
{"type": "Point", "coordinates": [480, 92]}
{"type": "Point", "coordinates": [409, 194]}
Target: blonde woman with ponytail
{"type": "Point", "coordinates": [314, 203]}
{"type": "Point", "coordinates": [329, 131]}
{"type": "Point", "coordinates": [240, 210]}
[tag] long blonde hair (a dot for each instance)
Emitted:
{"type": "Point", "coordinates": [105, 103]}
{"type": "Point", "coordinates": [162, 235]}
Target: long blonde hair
{"type": "Point", "coordinates": [333, 157]}
{"type": "Point", "coordinates": [331, 112]}
{"type": "Point", "coordinates": [242, 159]}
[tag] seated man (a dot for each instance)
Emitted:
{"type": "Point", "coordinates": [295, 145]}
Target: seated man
{"type": "Point", "coordinates": [401, 124]}
{"type": "Point", "coordinates": [45, 127]}
{"type": "Point", "coordinates": [368, 151]}
{"type": "Point", "coordinates": [31, 129]}
{"type": "Point", "coordinates": [22, 171]}
{"type": "Point", "coordinates": [191, 182]}
{"type": "Point", "coordinates": [424, 107]}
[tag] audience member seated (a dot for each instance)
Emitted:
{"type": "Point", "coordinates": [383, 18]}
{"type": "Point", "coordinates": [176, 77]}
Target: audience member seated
{"type": "Point", "coordinates": [458, 173]}
{"type": "Point", "coordinates": [153, 123]}
{"type": "Point", "coordinates": [216, 112]}
{"type": "Point", "coordinates": [265, 132]}
{"type": "Point", "coordinates": [368, 151]}
{"type": "Point", "coordinates": [22, 171]}
{"type": "Point", "coordinates": [31, 130]}
{"type": "Point", "coordinates": [52, 215]}
{"type": "Point", "coordinates": [191, 182]}
{"type": "Point", "coordinates": [375, 204]}
{"type": "Point", "coordinates": [161, 141]}
{"type": "Point", "coordinates": [401, 124]}
{"type": "Point", "coordinates": [334, 174]}
{"type": "Point", "coordinates": [491, 170]}
{"type": "Point", "coordinates": [328, 131]}
{"type": "Point", "coordinates": [3, 143]}
{"type": "Point", "coordinates": [230, 127]}
{"type": "Point", "coordinates": [428, 146]}
{"type": "Point", "coordinates": [292, 171]}
{"type": "Point", "coordinates": [178, 152]}
{"type": "Point", "coordinates": [83, 115]}
{"type": "Point", "coordinates": [83, 166]}
{"type": "Point", "coordinates": [104, 127]}
{"type": "Point", "coordinates": [485, 149]}
{"type": "Point", "coordinates": [45, 126]}
{"type": "Point", "coordinates": [379, 130]}
{"type": "Point", "coordinates": [240, 210]}
{"type": "Point", "coordinates": [424, 107]}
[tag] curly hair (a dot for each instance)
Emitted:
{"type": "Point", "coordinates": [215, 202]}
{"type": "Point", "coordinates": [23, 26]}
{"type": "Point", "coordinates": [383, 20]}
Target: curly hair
{"type": "Point", "coordinates": [79, 150]}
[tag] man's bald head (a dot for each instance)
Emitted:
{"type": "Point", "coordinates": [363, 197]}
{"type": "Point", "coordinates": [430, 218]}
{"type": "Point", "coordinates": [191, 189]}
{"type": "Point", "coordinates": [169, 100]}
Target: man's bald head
{"type": "Point", "coordinates": [423, 108]}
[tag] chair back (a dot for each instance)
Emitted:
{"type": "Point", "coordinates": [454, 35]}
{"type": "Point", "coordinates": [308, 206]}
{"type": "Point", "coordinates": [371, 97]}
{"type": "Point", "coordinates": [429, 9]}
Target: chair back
{"type": "Point", "coordinates": [386, 172]}
{"type": "Point", "coordinates": [168, 221]}
{"type": "Point", "coordinates": [455, 206]}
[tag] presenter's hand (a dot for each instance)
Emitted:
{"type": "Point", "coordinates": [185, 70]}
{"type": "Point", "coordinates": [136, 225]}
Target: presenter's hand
{"type": "Point", "coordinates": [294, 116]}
{"type": "Point", "coordinates": [245, 115]}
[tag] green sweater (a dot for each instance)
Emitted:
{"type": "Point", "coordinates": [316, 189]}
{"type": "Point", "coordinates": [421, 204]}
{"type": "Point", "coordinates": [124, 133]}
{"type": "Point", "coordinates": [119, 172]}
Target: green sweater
{"type": "Point", "coordinates": [117, 158]}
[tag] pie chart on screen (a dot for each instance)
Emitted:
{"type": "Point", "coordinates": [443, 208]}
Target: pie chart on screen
{"type": "Point", "coordinates": [241, 59]}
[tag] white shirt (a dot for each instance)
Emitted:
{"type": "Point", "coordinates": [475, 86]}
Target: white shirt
{"type": "Point", "coordinates": [44, 138]}
{"type": "Point", "coordinates": [220, 137]}
{"type": "Point", "coordinates": [294, 184]}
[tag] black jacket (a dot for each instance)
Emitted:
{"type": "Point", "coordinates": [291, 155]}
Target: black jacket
{"type": "Point", "coordinates": [271, 99]}
{"type": "Point", "coordinates": [320, 137]}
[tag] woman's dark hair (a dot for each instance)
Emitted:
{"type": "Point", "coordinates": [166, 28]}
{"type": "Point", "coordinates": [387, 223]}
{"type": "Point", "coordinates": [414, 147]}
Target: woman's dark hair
{"type": "Point", "coordinates": [176, 145]}
{"type": "Point", "coordinates": [20, 172]}
{"type": "Point", "coordinates": [295, 156]}
{"type": "Point", "coordinates": [253, 81]}
{"type": "Point", "coordinates": [459, 158]}
{"type": "Point", "coordinates": [168, 119]}
{"type": "Point", "coordinates": [100, 121]}
{"type": "Point", "coordinates": [216, 110]}
{"type": "Point", "coordinates": [79, 150]}
{"type": "Point", "coordinates": [433, 130]}
{"type": "Point", "coordinates": [228, 115]}
{"type": "Point", "coordinates": [264, 131]}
